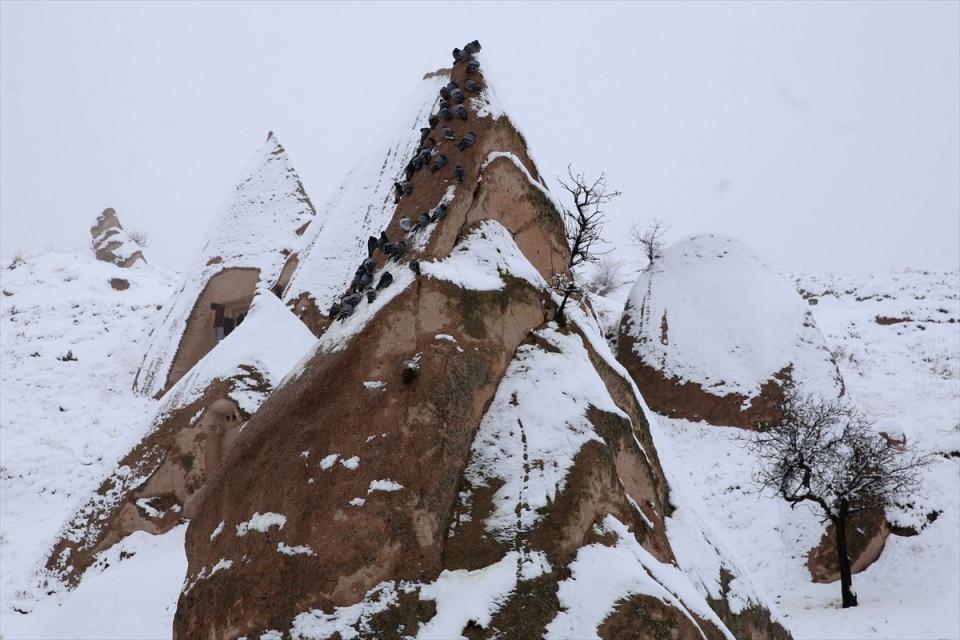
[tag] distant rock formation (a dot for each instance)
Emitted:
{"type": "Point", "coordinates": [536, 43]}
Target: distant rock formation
{"type": "Point", "coordinates": [252, 245]}
{"type": "Point", "coordinates": [712, 333]}
{"type": "Point", "coordinates": [448, 461]}
{"type": "Point", "coordinates": [112, 244]}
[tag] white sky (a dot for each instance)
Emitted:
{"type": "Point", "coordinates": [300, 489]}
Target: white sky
{"type": "Point", "coordinates": [827, 136]}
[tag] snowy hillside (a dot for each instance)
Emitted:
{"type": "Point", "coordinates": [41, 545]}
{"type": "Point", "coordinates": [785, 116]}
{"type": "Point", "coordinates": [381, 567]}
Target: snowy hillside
{"type": "Point", "coordinates": [70, 344]}
{"type": "Point", "coordinates": [896, 339]}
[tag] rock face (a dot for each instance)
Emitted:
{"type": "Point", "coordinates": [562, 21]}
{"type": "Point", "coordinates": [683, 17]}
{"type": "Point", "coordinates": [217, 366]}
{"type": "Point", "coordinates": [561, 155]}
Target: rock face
{"type": "Point", "coordinates": [449, 461]}
{"type": "Point", "coordinates": [157, 484]}
{"type": "Point", "coordinates": [712, 333]}
{"type": "Point", "coordinates": [112, 244]}
{"type": "Point", "coordinates": [251, 246]}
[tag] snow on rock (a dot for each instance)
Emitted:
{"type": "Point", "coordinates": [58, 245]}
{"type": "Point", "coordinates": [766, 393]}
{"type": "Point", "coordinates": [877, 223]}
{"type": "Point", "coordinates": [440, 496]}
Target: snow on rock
{"type": "Point", "coordinates": [709, 331]}
{"type": "Point", "coordinates": [384, 485]}
{"type": "Point", "coordinates": [301, 549]}
{"type": "Point", "coordinates": [362, 206]}
{"type": "Point", "coordinates": [271, 340]}
{"type": "Point", "coordinates": [463, 596]}
{"type": "Point", "coordinates": [261, 522]}
{"type": "Point", "coordinates": [252, 245]}
{"type": "Point", "coordinates": [602, 576]}
{"type": "Point", "coordinates": [176, 452]}
{"type": "Point", "coordinates": [481, 260]}
{"type": "Point", "coordinates": [537, 422]}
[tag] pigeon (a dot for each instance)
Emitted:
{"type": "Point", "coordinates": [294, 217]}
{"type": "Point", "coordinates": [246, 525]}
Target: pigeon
{"type": "Point", "coordinates": [438, 162]}
{"type": "Point", "coordinates": [472, 47]}
{"type": "Point", "coordinates": [471, 86]}
{"type": "Point", "coordinates": [371, 295]}
{"type": "Point", "coordinates": [447, 133]}
{"type": "Point", "coordinates": [458, 56]}
{"type": "Point", "coordinates": [369, 264]}
{"type": "Point", "coordinates": [457, 96]}
{"type": "Point", "coordinates": [399, 248]}
{"type": "Point", "coordinates": [410, 169]}
{"type": "Point", "coordinates": [467, 140]}
{"type": "Point", "coordinates": [445, 93]}
{"type": "Point", "coordinates": [407, 187]}
{"type": "Point", "coordinates": [334, 310]}
{"type": "Point", "coordinates": [416, 163]}
{"type": "Point", "coordinates": [444, 103]}
{"type": "Point", "coordinates": [423, 221]}
{"type": "Point", "coordinates": [439, 213]}
{"type": "Point", "coordinates": [371, 246]}
{"type": "Point", "coordinates": [353, 300]}
{"type": "Point", "coordinates": [458, 173]}
{"type": "Point", "coordinates": [383, 240]}
{"type": "Point", "coordinates": [346, 311]}
{"type": "Point", "coordinates": [365, 280]}
{"type": "Point", "coordinates": [424, 133]}
{"type": "Point", "coordinates": [472, 67]}
{"type": "Point", "coordinates": [415, 266]}
{"type": "Point", "coordinates": [460, 111]}
{"type": "Point", "coordinates": [433, 120]}
{"type": "Point", "coordinates": [445, 115]}
{"type": "Point", "coordinates": [385, 280]}
{"type": "Point", "coordinates": [405, 224]}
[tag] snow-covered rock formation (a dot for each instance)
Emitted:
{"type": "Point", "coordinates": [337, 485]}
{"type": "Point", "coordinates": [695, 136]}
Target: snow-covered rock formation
{"type": "Point", "coordinates": [712, 333]}
{"type": "Point", "coordinates": [251, 246]}
{"type": "Point", "coordinates": [111, 243]}
{"type": "Point", "coordinates": [157, 483]}
{"type": "Point", "coordinates": [448, 460]}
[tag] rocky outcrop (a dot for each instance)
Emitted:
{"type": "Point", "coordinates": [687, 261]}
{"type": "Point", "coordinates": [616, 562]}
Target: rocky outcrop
{"type": "Point", "coordinates": [448, 460]}
{"type": "Point", "coordinates": [157, 484]}
{"type": "Point", "coordinates": [112, 244]}
{"type": "Point", "coordinates": [252, 245]}
{"type": "Point", "coordinates": [711, 333]}
{"type": "Point", "coordinates": [867, 534]}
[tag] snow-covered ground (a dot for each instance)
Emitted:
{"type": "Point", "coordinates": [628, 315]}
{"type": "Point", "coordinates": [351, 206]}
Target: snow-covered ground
{"type": "Point", "coordinates": [69, 347]}
{"type": "Point", "coordinates": [906, 377]}
{"type": "Point", "coordinates": [65, 422]}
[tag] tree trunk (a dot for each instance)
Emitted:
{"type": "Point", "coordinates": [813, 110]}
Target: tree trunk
{"type": "Point", "coordinates": [843, 560]}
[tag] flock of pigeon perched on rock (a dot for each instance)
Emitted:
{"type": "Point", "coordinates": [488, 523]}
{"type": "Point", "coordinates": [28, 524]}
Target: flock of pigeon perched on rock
{"type": "Point", "coordinates": [450, 105]}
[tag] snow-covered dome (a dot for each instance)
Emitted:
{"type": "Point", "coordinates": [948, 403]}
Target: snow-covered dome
{"type": "Point", "coordinates": [709, 321]}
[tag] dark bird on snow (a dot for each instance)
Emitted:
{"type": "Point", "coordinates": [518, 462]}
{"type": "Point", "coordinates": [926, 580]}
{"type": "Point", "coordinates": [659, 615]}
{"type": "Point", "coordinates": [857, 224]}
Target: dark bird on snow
{"type": "Point", "coordinates": [371, 246]}
{"type": "Point", "coordinates": [385, 280]}
{"type": "Point", "coordinates": [445, 115]}
{"type": "Point", "coordinates": [424, 132]}
{"type": "Point", "coordinates": [439, 213]}
{"type": "Point", "coordinates": [371, 295]}
{"type": "Point", "coordinates": [445, 93]}
{"type": "Point", "coordinates": [369, 264]}
{"type": "Point", "coordinates": [415, 266]}
{"type": "Point", "coordinates": [472, 47]}
{"type": "Point", "coordinates": [433, 120]}
{"type": "Point", "coordinates": [383, 240]}
{"type": "Point", "coordinates": [423, 221]}
{"type": "Point", "coordinates": [334, 310]}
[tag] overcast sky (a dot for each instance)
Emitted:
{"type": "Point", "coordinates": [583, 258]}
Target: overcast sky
{"type": "Point", "coordinates": [827, 136]}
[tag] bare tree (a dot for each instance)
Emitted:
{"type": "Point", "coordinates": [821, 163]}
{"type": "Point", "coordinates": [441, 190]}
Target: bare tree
{"type": "Point", "coordinates": [650, 239]}
{"type": "Point", "coordinates": [139, 237]}
{"type": "Point", "coordinates": [826, 453]}
{"type": "Point", "coordinates": [583, 226]}
{"type": "Point", "coordinates": [606, 276]}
